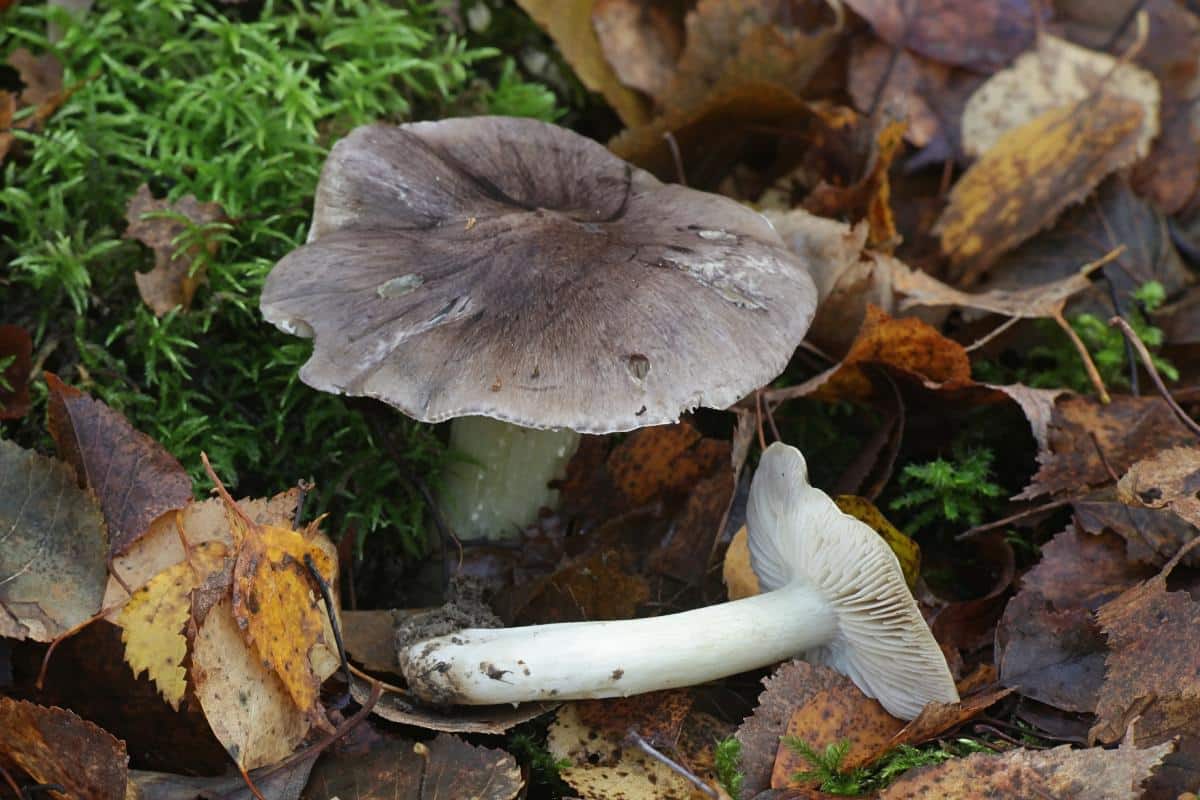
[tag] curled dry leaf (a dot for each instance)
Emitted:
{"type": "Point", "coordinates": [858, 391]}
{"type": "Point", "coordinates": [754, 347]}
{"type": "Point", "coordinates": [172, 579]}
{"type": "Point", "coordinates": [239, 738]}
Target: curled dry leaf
{"type": "Point", "coordinates": [54, 544]}
{"type": "Point", "coordinates": [134, 477]}
{"type": "Point", "coordinates": [840, 713]}
{"type": "Point", "coordinates": [569, 24]}
{"type": "Point", "coordinates": [736, 572]}
{"type": "Point", "coordinates": [454, 768]}
{"type": "Point", "coordinates": [1048, 644]}
{"type": "Point", "coordinates": [1031, 175]}
{"type": "Point", "coordinates": [1054, 74]}
{"type": "Point", "coordinates": [938, 718]}
{"type": "Point", "coordinates": [1094, 774]}
{"type": "Point", "coordinates": [178, 268]}
{"type": "Point", "coordinates": [14, 379]}
{"type": "Point", "coordinates": [397, 705]}
{"type": "Point", "coordinates": [981, 35]}
{"type": "Point", "coordinates": [54, 746]}
{"type": "Point", "coordinates": [153, 621]}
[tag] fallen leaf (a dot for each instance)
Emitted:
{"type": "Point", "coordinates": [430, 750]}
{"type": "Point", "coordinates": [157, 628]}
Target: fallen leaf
{"type": "Point", "coordinates": [1054, 74]}
{"type": "Point", "coordinates": [369, 635]}
{"type": "Point", "coordinates": [135, 479]}
{"type": "Point", "coordinates": [1061, 772]}
{"type": "Point", "coordinates": [641, 42]}
{"type": "Point", "coordinates": [14, 379]}
{"type": "Point", "coordinates": [54, 746]}
{"type": "Point", "coordinates": [684, 551]}
{"type": "Point", "coordinates": [1168, 479]}
{"type": "Point", "coordinates": [1152, 536]}
{"type": "Point", "coordinates": [275, 784]}
{"type": "Point", "coordinates": [603, 768]}
{"type": "Point", "coordinates": [163, 226]}
{"type": "Point", "coordinates": [938, 718]}
{"type": "Point", "coordinates": [911, 81]}
{"type": "Point", "coordinates": [381, 767]}
{"type": "Point", "coordinates": [42, 75]}
{"type": "Point", "coordinates": [153, 621]}
{"type": "Point", "coordinates": [1084, 434]}
{"type": "Point", "coordinates": [52, 562]}
{"type": "Point", "coordinates": [1150, 672]}
{"type": "Point", "coordinates": [569, 24]}
{"type": "Point", "coordinates": [657, 717]}
{"type": "Point", "coordinates": [790, 686]}
{"type": "Point", "coordinates": [1032, 174]}
{"type": "Point", "coordinates": [841, 713]}
{"type": "Point", "coordinates": [247, 705]}
{"type": "Point", "coordinates": [599, 585]}
{"type": "Point", "coordinates": [395, 705]}
{"type": "Point", "coordinates": [1048, 644]}
{"type": "Point", "coordinates": [460, 770]}
{"type": "Point", "coordinates": [738, 575]}
{"type": "Point", "coordinates": [981, 35]}
{"type": "Point", "coordinates": [663, 459]}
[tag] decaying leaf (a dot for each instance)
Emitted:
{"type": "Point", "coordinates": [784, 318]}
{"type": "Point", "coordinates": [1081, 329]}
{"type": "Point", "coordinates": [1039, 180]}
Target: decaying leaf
{"type": "Point", "coordinates": [841, 713]}
{"type": "Point", "coordinates": [42, 75]}
{"type": "Point", "coordinates": [14, 378]}
{"type": "Point", "coordinates": [978, 34]}
{"type": "Point", "coordinates": [738, 575]}
{"type": "Point", "coordinates": [247, 705]}
{"type": "Point", "coordinates": [569, 24]}
{"type": "Point", "coordinates": [454, 768]}
{"type": "Point", "coordinates": [1055, 73]}
{"type": "Point", "coordinates": [52, 547]}
{"type": "Point", "coordinates": [134, 477]}
{"type": "Point", "coordinates": [1087, 438]}
{"type": "Point", "coordinates": [1048, 643]}
{"type": "Point", "coordinates": [153, 621]}
{"type": "Point", "coordinates": [599, 585]}
{"type": "Point", "coordinates": [938, 718]}
{"type": "Point", "coordinates": [791, 685]}
{"type": "Point", "coordinates": [912, 89]}
{"type": "Point", "coordinates": [1063, 772]}
{"type": "Point", "coordinates": [1152, 535]}
{"type": "Point", "coordinates": [1150, 672]}
{"type": "Point", "coordinates": [178, 267]}
{"type": "Point", "coordinates": [1032, 174]}
{"type": "Point", "coordinates": [273, 783]}
{"type": "Point", "coordinates": [1168, 479]}
{"type": "Point", "coordinates": [641, 41]}
{"type": "Point", "coordinates": [664, 459]}
{"type": "Point", "coordinates": [658, 717]}
{"type": "Point", "coordinates": [395, 705]}
{"type": "Point", "coordinates": [368, 766]}
{"type": "Point", "coordinates": [55, 746]}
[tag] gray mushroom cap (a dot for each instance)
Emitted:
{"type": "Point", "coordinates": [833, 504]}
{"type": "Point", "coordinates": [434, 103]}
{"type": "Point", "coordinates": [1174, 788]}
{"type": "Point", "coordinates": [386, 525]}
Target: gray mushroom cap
{"type": "Point", "coordinates": [513, 269]}
{"type": "Point", "coordinates": [798, 535]}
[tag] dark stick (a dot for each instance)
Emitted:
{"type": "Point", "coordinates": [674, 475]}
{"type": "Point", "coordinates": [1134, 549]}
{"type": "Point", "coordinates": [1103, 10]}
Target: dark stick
{"type": "Point", "coordinates": [1148, 363]}
{"type": "Point", "coordinates": [327, 597]}
{"type": "Point", "coordinates": [682, 771]}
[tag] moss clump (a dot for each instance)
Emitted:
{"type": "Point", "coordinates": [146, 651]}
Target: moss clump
{"type": "Point", "coordinates": [236, 104]}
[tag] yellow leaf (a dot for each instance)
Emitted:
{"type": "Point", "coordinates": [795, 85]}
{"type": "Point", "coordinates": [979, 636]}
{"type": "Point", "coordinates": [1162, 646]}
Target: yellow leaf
{"type": "Point", "coordinates": [152, 622]}
{"type": "Point", "coordinates": [906, 550]}
{"type": "Point", "coordinates": [739, 577]}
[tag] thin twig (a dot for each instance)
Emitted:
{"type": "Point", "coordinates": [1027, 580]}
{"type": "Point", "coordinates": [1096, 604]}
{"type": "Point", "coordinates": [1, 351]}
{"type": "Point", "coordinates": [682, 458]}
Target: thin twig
{"type": "Point", "coordinates": [673, 146]}
{"type": "Point", "coordinates": [1020, 515]}
{"type": "Point", "coordinates": [1134, 389]}
{"type": "Point", "coordinates": [1112, 473]}
{"type": "Point", "coordinates": [999, 329]}
{"type": "Point", "coordinates": [12, 784]}
{"type": "Point", "coordinates": [327, 597]}
{"type": "Point", "coordinates": [1148, 363]}
{"type": "Point", "coordinates": [304, 487]}
{"type": "Point", "coordinates": [1089, 366]}
{"type": "Point", "coordinates": [758, 418]}
{"type": "Point", "coordinates": [676, 767]}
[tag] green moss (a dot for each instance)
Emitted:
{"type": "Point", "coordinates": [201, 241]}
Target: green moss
{"type": "Point", "coordinates": [959, 490]}
{"type": "Point", "coordinates": [728, 760]}
{"type": "Point", "coordinates": [236, 105]}
{"type": "Point", "coordinates": [825, 766]}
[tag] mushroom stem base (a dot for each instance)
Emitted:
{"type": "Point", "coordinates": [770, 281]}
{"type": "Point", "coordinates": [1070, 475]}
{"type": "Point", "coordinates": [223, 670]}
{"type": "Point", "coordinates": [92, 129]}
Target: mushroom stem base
{"type": "Point", "coordinates": [503, 485]}
{"type": "Point", "coordinates": [584, 660]}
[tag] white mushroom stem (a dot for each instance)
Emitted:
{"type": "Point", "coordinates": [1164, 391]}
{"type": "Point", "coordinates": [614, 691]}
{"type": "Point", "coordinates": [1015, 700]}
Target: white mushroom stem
{"type": "Point", "coordinates": [584, 660]}
{"type": "Point", "coordinates": [502, 484]}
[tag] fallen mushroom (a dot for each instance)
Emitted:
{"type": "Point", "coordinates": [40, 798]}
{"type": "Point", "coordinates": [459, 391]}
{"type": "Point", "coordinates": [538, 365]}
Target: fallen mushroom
{"type": "Point", "coordinates": [504, 270]}
{"type": "Point", "coordinates": [834, 594]}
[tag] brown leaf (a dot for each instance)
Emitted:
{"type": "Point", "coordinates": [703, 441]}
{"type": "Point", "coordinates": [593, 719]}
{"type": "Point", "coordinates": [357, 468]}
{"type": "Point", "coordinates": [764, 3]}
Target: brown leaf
{"type": "Point", "coordinates": [1168, 479]}
{"type": "Point", "coordinates": [663, 459]}
{"type": "Point", "coordinates": [382, 767]}
{"type": "Point", "coordinates": [15, 342]}
{"type": "Point", "coordinates": [1126, 430]}
{"type": "Point", "coordinates": [598, 585]}
{"type": "Point", "coordinates": [641, 41]}
{"type": "Point", "coordinates": [53, 745]}
{"type": "Point", "coordinates": [1152, 536]}
{"type": "Point", "coordinates": [460, 770]}
{"type": "Point", "coordinates": [1032, 174]}
{"type": "Point", "coordinates": [656, 716]}
{"type": "Point", "coordinates": [1063, 772]}
{"type": "Point", "coordinates": [684, 552]}
{"type": "Point", "coordinates": [42, 75]}
{"type": "Point", "coordinates": [738, 575]}
{"type": "Point", "coordinates": [839, 713]}
{"type": "Point", "coordinates": [790, 686]}
{"type": "Point", "coordinates": [275, 784]}
{"type": "Point", "coordinates": [981, 35]}
{"type": "Point", "coordinates": [54, 544]}
{"type": "Point", "coordinates": [395, 706]}
{"type": "Point", "coordinates": [1150, 671]}
{"type": "Point", "coordinates": [1048, 644]}
{"type": "Point", "coordinates": [938, 718]}
{"type": "Point", "coordinates": [178, 271]}
{"type": "Point", "coordinates": [569, 24]}
{"type": "Point", "coordinates": [911, 80]}
{"type": "Point", "coordinates": [369, 637]}
{"type": "Point", "coordinates": [135, 479]}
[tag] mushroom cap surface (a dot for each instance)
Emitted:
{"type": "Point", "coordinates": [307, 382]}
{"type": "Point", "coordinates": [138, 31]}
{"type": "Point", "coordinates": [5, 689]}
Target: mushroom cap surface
{"type": "Point", "coordinates": [798, 534]}
{"type": "Point", "coordinates": [513, 269]}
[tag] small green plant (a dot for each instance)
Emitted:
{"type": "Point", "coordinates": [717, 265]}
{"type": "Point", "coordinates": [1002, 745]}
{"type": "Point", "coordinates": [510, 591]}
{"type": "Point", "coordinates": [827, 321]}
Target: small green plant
{"type": "Point", "coordinates": [728, 760]}
{"type": "Point", "coordinates": [544, 768]}
{"type": "Point", "coordinates": [826, 767]}
{"type": "Point", "coordinates": [1057, 364]}
{"type": "Point", "coordinates": [959, 490]}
